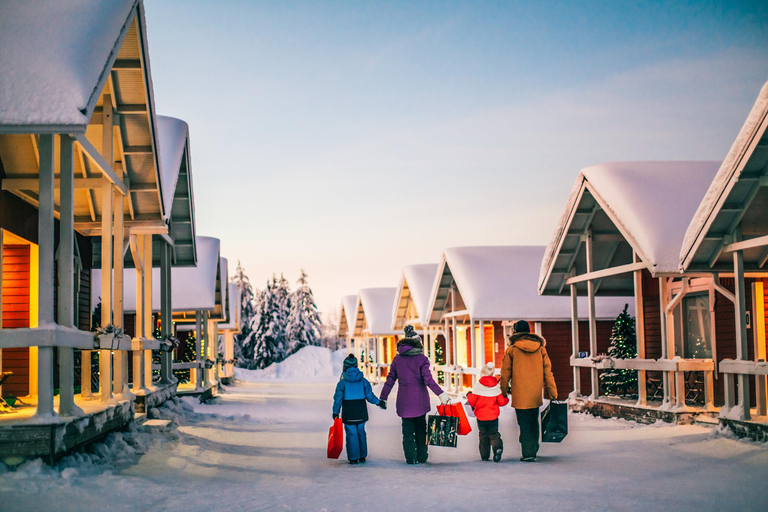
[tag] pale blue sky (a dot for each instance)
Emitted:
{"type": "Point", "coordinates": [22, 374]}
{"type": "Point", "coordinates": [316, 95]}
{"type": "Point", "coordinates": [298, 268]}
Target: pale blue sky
{"type": "Point", "coordinates": [353, 138]}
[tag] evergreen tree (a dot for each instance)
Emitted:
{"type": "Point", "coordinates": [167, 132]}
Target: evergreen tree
{"type": "Point", "coordinates": [268, 327]}
{"type": "Point", "coordinates": [304, 321]}
{"type": "Point", "coordinates": [245, 341]}
{"type": "Point", "coordinates": [623, 346]}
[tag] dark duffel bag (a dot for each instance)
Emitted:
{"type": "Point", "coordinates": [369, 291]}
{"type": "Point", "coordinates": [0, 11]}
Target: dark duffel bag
{"type": "Point", "coordinates": [442, 430]}
{"type": "Point", "coordinates": [554, 422]}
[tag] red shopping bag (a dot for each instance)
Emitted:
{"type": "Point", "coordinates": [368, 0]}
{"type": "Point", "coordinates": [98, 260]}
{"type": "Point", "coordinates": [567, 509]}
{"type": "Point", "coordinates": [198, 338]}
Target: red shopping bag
{"type": "Point", "coordinates": [335, 439]}
{"type": "Point", "coordinates": [456, 410]}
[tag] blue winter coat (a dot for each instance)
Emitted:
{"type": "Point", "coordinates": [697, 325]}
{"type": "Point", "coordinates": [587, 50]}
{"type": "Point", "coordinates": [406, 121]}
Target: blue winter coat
{"type": "Point", "coordinates": [351, 393]}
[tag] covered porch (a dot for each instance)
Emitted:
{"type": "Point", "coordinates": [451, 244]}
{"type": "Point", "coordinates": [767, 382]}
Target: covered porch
{"type": "Point", "coordinates": [728, 237]}
{"type": "Point", "coordinates": [78, 145]}
{"type": "Point", "coordinates": [620, 235]}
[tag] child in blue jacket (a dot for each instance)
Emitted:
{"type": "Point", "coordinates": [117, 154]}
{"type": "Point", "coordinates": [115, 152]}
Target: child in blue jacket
{"type": "Point", "coordinates": [349, 400]}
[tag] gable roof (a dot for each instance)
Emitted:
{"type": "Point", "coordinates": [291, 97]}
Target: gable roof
{"type": "Point", "coordinates": [347, 315]}
{"type": "Point", "coordinates": [499, 283]}
{"type": "Point", "coordinates": [56, 57]}
{"type": "Point", "coordinates": [374, 311]}
{"type": "Point", "coordinates": [415, 287]}
{"type": "Point", "coordinates": [738, 194]}
{"type": "Point", "coordinates": [640, 206]}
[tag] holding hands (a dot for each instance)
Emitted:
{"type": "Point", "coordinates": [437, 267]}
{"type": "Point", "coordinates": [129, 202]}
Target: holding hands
{"type": "Point", "coordinates": [383, 404]}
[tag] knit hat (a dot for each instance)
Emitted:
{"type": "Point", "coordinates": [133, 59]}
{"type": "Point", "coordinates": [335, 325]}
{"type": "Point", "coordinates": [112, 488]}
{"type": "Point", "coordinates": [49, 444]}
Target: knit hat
{"type": "Point", "coordinates": [521, 326]}
{"type": "Point", "coordinates": [487, 370]}
{"type": "Point", "coordinates": [410, 333]}
{"type": "Point", "coordinates": [349, 362]}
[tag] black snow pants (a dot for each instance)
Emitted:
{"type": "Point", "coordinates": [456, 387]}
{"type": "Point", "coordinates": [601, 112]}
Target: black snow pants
{"type": "Point", "coordinates": [488, 432]}
{"type": "Point", "coordinates": [528, 421]}
{"type": "Point", "coordinates": [415, 439]}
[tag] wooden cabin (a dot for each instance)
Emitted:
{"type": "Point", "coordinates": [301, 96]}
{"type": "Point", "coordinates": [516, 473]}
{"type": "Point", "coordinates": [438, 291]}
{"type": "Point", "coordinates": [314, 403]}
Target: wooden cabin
{"type": "Point", "coordinates": [412, 303]}
{"type": "Point", "coordinates": [346, 326]}
{"type": "Point", "coordinates": [727, 241]}
{"type": "Point", "coordinates": [480, 292]}
{"type": "Point", "coordinates": [621, 234]}
{"type": "Point", "coordinates": [78, 164]}
{"type": "Point", "coordinates": [373, 317]}
{"type": "Point", "coordinates": [227, 332]}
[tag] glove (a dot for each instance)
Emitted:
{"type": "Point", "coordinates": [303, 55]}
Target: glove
{"type": "Point", "coordinates": [335, 416]}
{"type": "Point", "coordinates": [383, 404]}
{"type": "Point", "coordinates": [444, 398]}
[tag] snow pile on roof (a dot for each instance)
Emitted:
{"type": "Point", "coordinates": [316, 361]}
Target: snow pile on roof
{"type": "Point", "coordinates": [726, 176]}
{"type": "Point", "coordinates": [308, 364]}
{"type": "Point", "coordinates": [378, 305]}
{"type": "Point", "coordinates": [54, 55]}
{"type": "Point", "coordinates": [172, 136]}
{"type": "Point", "coordinates": [499, 282]}
{"type": "Point", "coordinates": [651, 204]}
{"type": "Point", "coordinates": [192, 288]}
{"type": "Point", "coordinates": [420, 279]}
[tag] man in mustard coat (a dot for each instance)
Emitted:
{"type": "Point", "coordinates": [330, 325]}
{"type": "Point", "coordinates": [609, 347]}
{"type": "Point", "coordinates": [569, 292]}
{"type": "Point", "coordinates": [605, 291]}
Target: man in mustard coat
{"type": "Point", "coordinates": [525, 372]}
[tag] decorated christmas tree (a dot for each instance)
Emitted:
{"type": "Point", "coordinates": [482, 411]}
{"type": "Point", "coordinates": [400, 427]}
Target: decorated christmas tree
{"type": "Point", "coordinates": [615, 381]}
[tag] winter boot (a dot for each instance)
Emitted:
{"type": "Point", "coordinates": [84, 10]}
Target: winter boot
{"type": "Point", "coordinates": [354, 462]}
{"type": "Point", "coordinates": [497, 455]}
{"type": "Point", "coordinates": [362, 460]}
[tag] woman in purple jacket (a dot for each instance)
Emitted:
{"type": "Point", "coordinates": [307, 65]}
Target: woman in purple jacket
{"type": "Point", "coordinates": [410, 368]}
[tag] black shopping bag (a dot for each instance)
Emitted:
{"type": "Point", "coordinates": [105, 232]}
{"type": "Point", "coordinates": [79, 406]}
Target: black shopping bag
{"type": "Point", "coordinates": [442, 430]}
{"type": "Point", "coordinates": [554, 422]}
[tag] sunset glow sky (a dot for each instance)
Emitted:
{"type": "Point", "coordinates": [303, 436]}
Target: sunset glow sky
{"type": "Point", "coordinates": [352, 139]}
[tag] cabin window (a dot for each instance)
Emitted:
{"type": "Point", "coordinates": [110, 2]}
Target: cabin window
{"type": "Point", "coordinates": [696, 327]}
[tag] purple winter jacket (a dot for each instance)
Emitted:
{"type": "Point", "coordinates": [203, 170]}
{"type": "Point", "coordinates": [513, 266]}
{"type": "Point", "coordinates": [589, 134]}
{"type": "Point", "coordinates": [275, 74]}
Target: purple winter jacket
{"type": "Point", "coordinates": [412, 373]}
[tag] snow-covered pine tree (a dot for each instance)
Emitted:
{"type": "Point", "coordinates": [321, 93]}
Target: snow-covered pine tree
{"type": "Point", "coordinates": [267, 327]}
{"type": "Point", "coordinates": [245, 342]}
{"type": "Point", "coordinates": [623, 346]}
{"type": "Point", "coordinates": [304, 321]}
{"type": "Point", "coordinates": [282, 291]}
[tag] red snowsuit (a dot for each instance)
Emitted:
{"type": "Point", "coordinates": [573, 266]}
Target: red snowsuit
{"type": "Point", "coordinates": [486, 398]}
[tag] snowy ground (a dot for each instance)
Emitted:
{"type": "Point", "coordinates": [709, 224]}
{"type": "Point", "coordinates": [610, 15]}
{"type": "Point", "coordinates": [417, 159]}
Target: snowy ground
{"type": "Point", "coordinates": [261, 446]}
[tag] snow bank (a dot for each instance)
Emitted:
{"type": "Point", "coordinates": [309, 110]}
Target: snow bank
{"type": "Point", "coordinates": [314, 364]}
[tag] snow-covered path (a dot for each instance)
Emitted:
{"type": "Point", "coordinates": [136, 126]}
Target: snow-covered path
{"type": "Point", "coordinates": [262, 447]}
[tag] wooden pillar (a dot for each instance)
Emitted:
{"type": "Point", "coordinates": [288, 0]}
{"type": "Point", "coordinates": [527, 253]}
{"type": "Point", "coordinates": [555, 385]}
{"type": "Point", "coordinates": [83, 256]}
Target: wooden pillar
{"type": "Point", "coordinates": [758, 329]}
{"type": "Point", "coordinates": [198, 349]}
{"type": "Point", "coordinates": [45, 269]}
{"type": "Point", "coordinates": [575, 341]}
{"type": "Point", "coordinates": [148, 327]}
{"type": "Point", "coordinates": [204, 342]}
{"type": "Point", "coordinates": [137, 248]}
{"type": "Point", "coordinates": [595, 381]}
{"type": "Point", "coordinates": [66, 302]}
{"type": "Point", "coordinates": [166, 313]}
{"type": "Point", "coordinates": [742, 349]}
{"type": "Point", "coordinates": [642, 399]}
{"type": "Point", "coordinates": [119, 379]}
{"type": "Point", "coordinates": [667, 377]}
{"type": "Point", "coordinates": [105, 356]}
{"type": "Point", "coordinates": [473, 349]}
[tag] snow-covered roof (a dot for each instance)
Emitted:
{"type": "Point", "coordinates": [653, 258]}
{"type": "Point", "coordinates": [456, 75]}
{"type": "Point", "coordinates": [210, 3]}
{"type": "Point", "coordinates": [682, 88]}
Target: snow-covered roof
{"type": "Point", "coordinates": [415, 287]}
{"type": "Point", "coordinates": [736, 185]}
{"type": "Point", "coordinates": [374, 311]}
{"type": "Point", "coordinates": [647, 204]}
{"type": "Point", "coordinates": [176, 181]}
{"type": "Point", "coordinates": [499, 283]}
{"type": "Point", "coordinates": [233, 319]}
{"type": "Point", "coordinates": [192, 288]}
{"type": "Point", "coordinates": [55, 58]}
{"type": "Point", "coordinates": [347, 315]}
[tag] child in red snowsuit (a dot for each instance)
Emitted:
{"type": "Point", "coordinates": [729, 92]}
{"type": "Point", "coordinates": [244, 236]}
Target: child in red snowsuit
{"type": "Point", "coordinates": [486, 399]}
